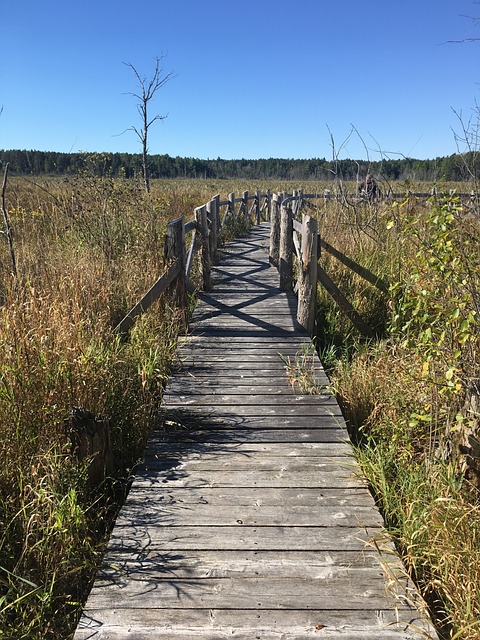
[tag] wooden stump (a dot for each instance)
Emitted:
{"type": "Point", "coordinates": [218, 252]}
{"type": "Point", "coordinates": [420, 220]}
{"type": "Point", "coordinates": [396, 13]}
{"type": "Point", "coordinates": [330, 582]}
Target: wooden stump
{"type": "Point", "coordinates": [90, 438]}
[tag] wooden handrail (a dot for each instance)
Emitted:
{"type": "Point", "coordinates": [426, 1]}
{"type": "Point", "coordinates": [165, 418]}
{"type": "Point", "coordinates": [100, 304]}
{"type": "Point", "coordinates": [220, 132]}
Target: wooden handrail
{"type": "Point", "coordinates": [289, 237]}
{"type": "Point", "coordinates": [205, 229]}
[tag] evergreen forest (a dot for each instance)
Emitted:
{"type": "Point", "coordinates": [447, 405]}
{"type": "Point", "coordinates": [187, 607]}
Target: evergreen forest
{"type": "Point", "coordinates": [454, 168]}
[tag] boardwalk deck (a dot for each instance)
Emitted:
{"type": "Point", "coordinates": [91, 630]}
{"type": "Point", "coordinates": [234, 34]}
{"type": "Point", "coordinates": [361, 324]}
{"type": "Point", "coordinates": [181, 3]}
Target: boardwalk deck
{"type": "Point", "coordinates": [248, 518]}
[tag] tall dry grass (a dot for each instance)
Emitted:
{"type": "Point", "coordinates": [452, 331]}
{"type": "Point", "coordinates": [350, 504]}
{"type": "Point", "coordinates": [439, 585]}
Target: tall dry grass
{"type": "Point", "coordinates": [87, 248]}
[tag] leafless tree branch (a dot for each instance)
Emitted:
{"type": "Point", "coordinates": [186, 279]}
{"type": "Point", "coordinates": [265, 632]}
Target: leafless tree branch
{"type": "Point", "coordinates": [148, 89]}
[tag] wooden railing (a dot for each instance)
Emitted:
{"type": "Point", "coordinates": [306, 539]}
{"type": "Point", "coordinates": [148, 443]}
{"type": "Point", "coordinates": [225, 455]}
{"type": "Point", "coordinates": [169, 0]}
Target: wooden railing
{"type": "Point", "coordinates": [295, 249]}
{"type": "Point", "coordinates": [295, 243]}
{"type": "Point", "coordinates": [205, 233]}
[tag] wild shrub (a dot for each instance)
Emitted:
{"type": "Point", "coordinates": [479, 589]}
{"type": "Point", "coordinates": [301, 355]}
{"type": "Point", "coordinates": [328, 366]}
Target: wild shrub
{"type": "Point", "coordinates": [410, 399]}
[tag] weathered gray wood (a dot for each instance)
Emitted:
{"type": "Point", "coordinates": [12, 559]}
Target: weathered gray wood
{"type": "Point", "coordinates": [202, 227]}
{"type": "Point", "coordinates": [253, 497]}
{"type": "Point", "coordinates": [252, 449]}
{"type": "Point", "coordinates": [175, 251]}
{"type": "Point", "coordinates": [268, 200]}
{"type": "Point", "coordinates": [231, 207]}
{"type": "Point", "coordinates": [285, 403]}
{"type": "Point", "coordinates": [307, 290]}
{"type": "Point", "coordinates": [160, 286]}
{"type": "Point", "coordinates": [245, 207]}
{"type": "Point", "coordinates": [287, 431]}
{"type": "Point", "coordinates": [249, 564]}
{"type": "Point", "coordinates": [191, 253]}
{"type": "Point", "coordinates": [334, 590]}
{"type": "Point", "coordinates": [244, 478]}
{"type": "Point", "coordinates": [214, 218]}
{"type": "Point", "coordinates": [275, 230]}
{"type": "Point", "coordinates": [285, 265]}
{"type": "Point", "coordinates": [204, 514]}
{"type": "Point", "coordinates": [343, 303]}
{"type": "Point", "coordinates": [354, 266]}
{"type": "Point", "coordinates": [219, 624]}
{"type": "Point", "coordinates": [240, 538]}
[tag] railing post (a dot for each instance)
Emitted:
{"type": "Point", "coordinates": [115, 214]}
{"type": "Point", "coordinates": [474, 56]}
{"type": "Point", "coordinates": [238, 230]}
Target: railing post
{"type": "Point", "coordinates": [294, 203]}
{"type": "Point", "coordinates": [245, 207]}
{"type": "Point", "coordinates": [269, 205]}
{"type": "Point", "coordinates": [257, 209]}
{"type": "Point", "coordinates": [275, 230]}
{"type": "Point", "coordinates": [213, 216]}
{"type": "Point", "coordinates": [231, 205]}
{"type": "Point", "coordinates": [299, 202]}
{"type": "Point", "coordinates": [175, 250]}
{"type": "Point", "coordinates": [307, 280]}
{"type": "Point", "coordinates": [285, 265]}
{"type": "Point", "coordinates": [202, 229]}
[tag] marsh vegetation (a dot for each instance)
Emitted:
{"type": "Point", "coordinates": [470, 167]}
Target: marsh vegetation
{"type": "Point", "coordinates": [87, 248]}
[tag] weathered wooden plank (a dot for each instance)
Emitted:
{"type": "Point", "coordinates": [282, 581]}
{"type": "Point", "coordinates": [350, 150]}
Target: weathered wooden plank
{"type": "Point", "coordinates": [217, 386]}
{"type": "Point", "coordinates": [259, 496]}
{"type": "Point", "coordinates": [256, 434]}
{"type": "Point", "coordinates": [218, 624]}
{"type": "Point", "coordinates": [247, 564]}
{"type": "Point", "coordinates": [247, 593]}
{"type": "Point", "coordinates": [204, 514]}
{"type": "Point", "coordinates": [207, 345]}
{"type": "Point", "coordinates": [287, 403]}
{"type": "Point", "coordinates": [307, 464]}
{"type": "Point", "coordinates": [287, 633]}
{"type": "Point", "coordinates": [243, 478]}
{"type": "Point", "coordinates": [284, 410]}
{"type": "Point", "coordinates": [247, 355]}
{"type": "Point", "coordinates": [230, 428]}
{"type": "Point", "coordinates": [158, 447]}
{"type": "Point", "coordinates": [255, 538]}
{"type": "Point", "coordinates": [159, 287]}
{"type": "Point", "coordinates": [276, 620]}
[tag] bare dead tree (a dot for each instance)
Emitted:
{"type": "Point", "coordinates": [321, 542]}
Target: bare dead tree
{"type": "Point", "coordinates": [147, 90]}
{"type": "Point", "coordinates": [8, 228]}
{"type": "Point", "coordinates": [468, 150]}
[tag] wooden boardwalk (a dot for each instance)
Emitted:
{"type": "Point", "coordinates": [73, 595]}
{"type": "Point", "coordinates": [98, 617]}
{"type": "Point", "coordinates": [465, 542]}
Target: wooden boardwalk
{"type": "Point", "coordinates": [248, 518]}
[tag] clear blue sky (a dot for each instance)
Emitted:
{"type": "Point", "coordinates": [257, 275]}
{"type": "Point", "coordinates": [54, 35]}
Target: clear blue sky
{"type": "Point", "coordinates": [253, 78]}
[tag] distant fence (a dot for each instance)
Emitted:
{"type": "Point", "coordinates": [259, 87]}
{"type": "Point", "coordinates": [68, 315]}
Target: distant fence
{"type": "Point", "coordinates": [295, 249]}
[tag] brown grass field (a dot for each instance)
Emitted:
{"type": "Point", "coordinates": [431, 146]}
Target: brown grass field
{"type": "Point", "coordinates": [88, 247]}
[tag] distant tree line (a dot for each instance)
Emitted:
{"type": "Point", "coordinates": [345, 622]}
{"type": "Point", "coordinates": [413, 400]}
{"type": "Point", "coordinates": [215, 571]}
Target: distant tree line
{"type": "Point", "coordinates": [450, 168]}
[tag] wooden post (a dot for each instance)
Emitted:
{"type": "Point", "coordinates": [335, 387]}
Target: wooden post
{"type": "Point", "coordinates": [354, 317]}
{"type": "Point", "coordinates": [307, 292]}
{"type": "Point", "coordinates": [175, 250]}
{"type": "Point", "coordinates": [299, 202]}
{"type": "Point", "coordinates": [90, 440]}
{"type": "Point", "coordinates": [257, 210]}
{"type": "Point", "coordinates": [285, 265]}
{"type": "Point", "coordinates": [294, 203]}
{"type": "Point", "coordinates": [275, 230]}
{"type": "Point", "coordinates": [231, 205]}
{"type": "Point", "coordinates": [202, 229]}
{"type": "Point", "coordinates": [245, 207]}
{"type": "Point", "coordinates": [213, 216]}
{"type": "Point", "coordinates": [269, 205]}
